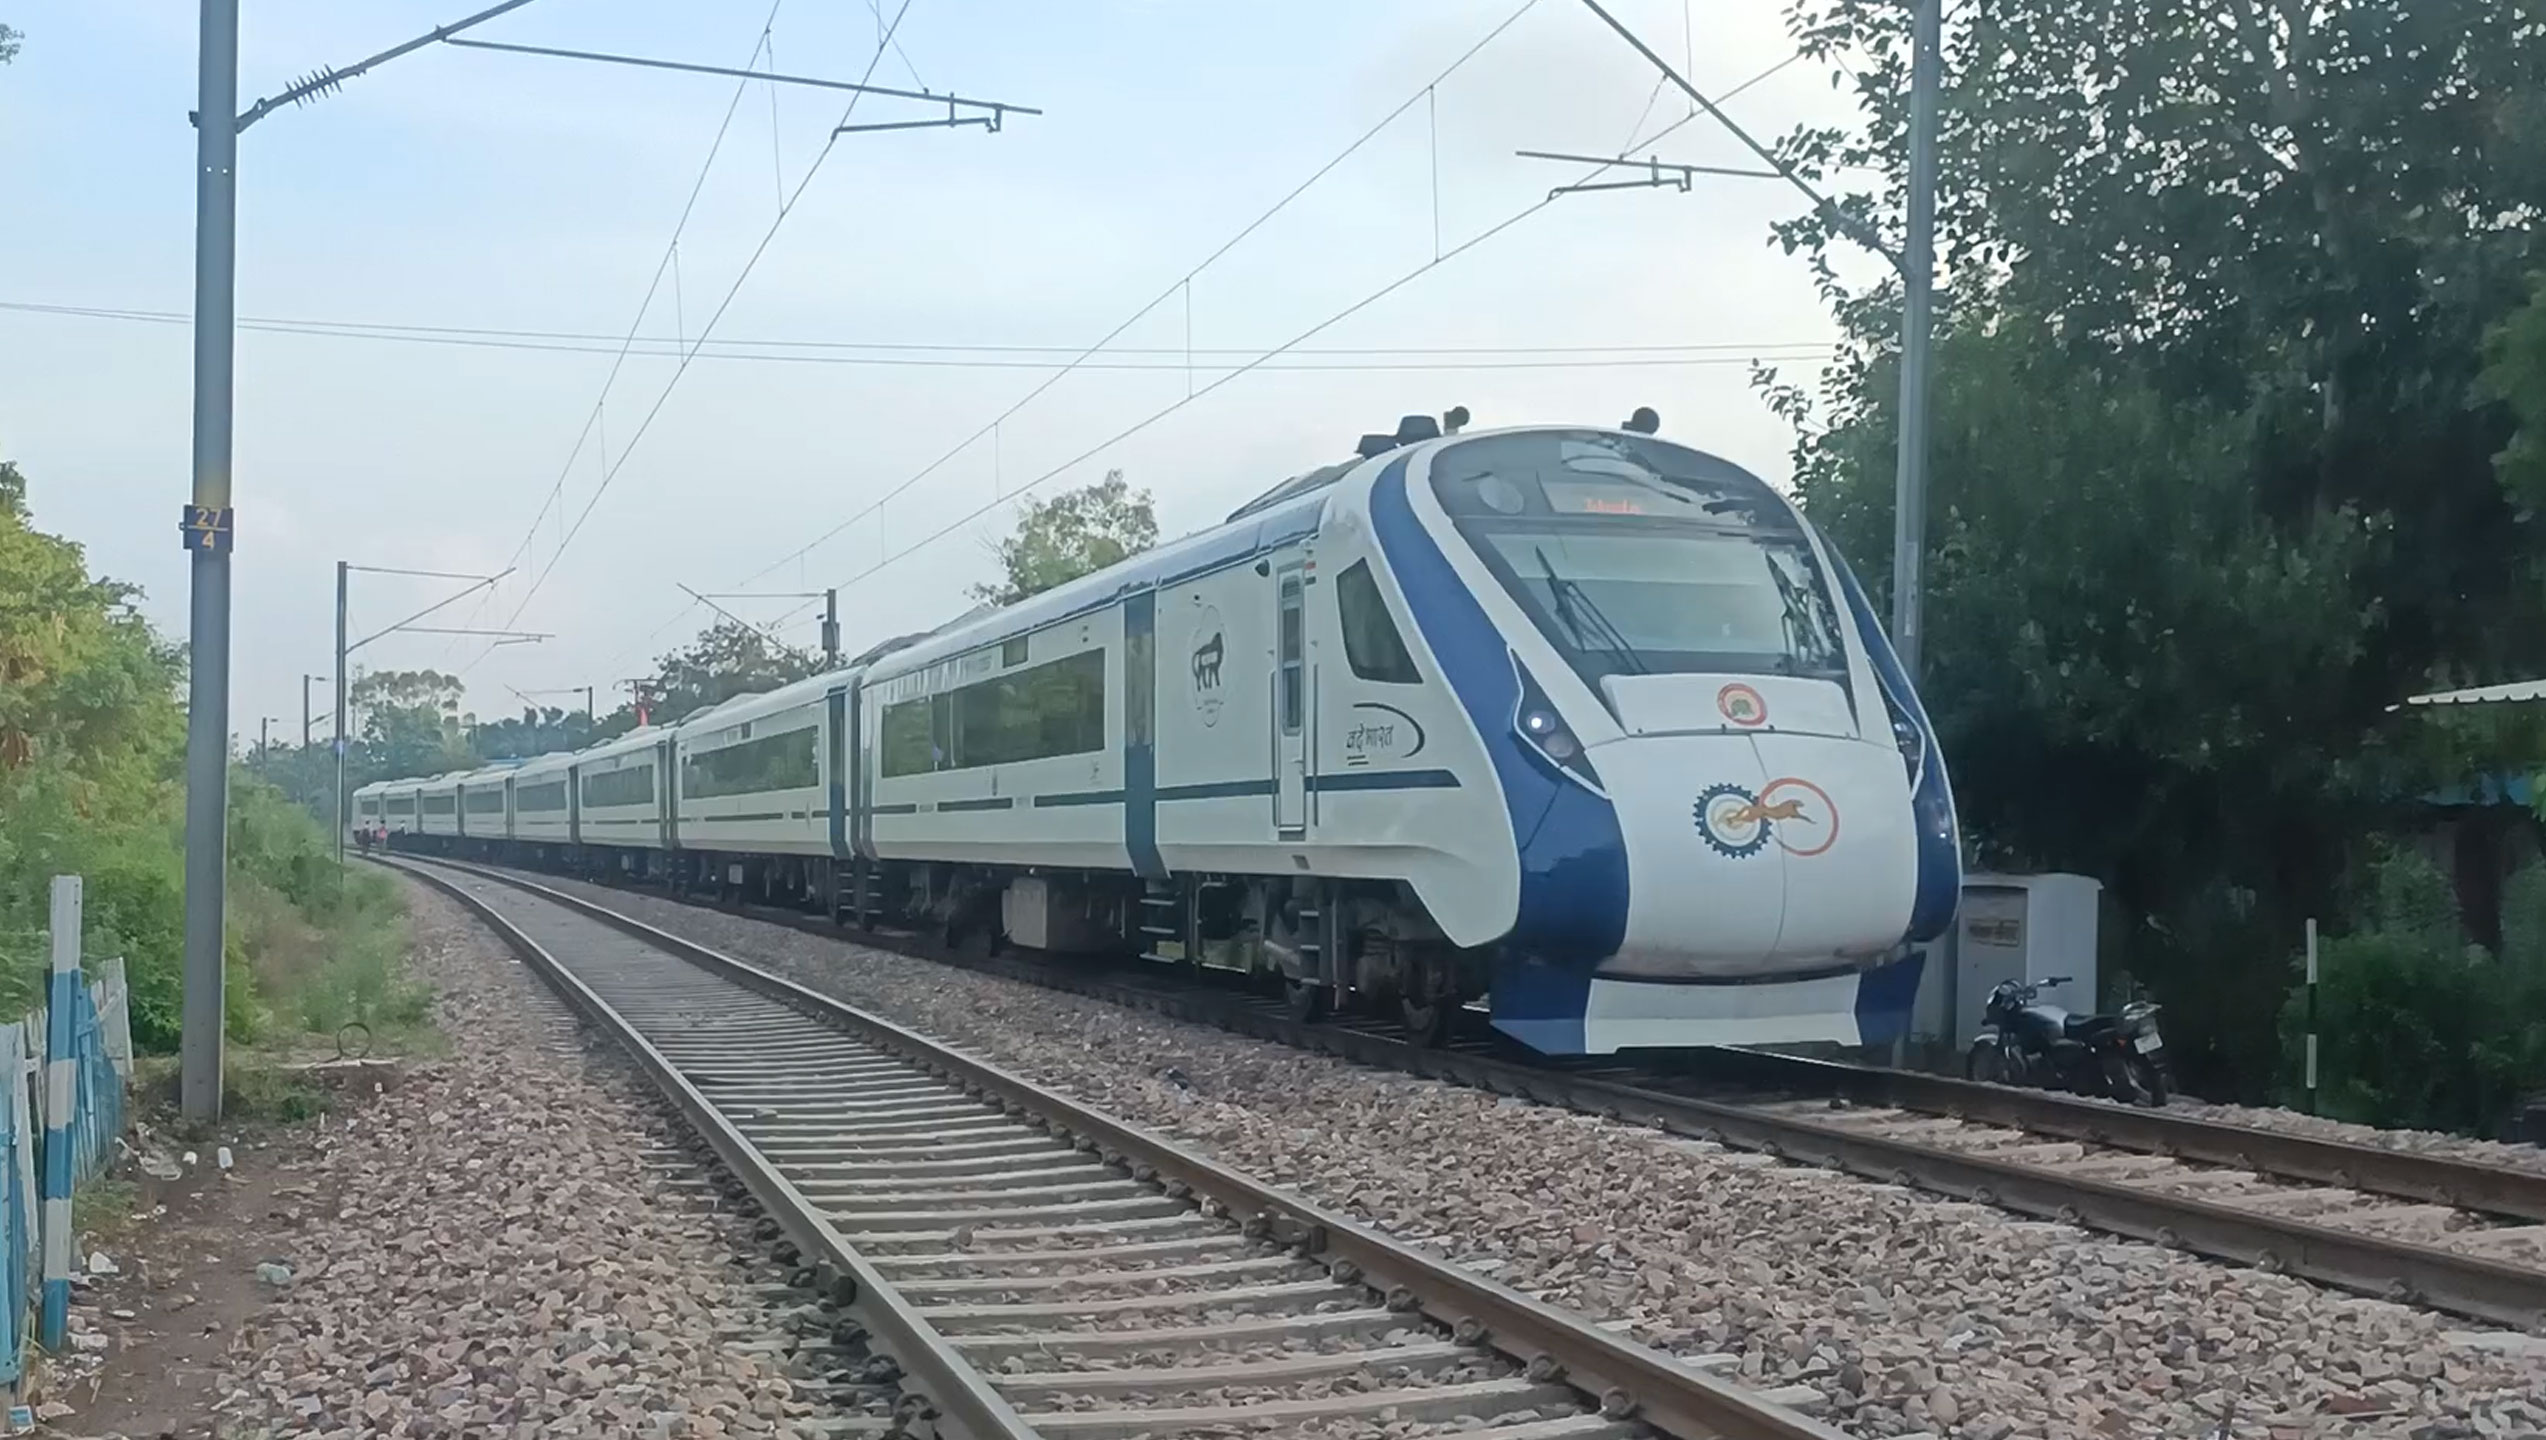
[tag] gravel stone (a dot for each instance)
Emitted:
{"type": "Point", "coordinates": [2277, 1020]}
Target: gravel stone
{"type": "Point", "coordinates": [498, 1258]}
{"type": "Point", "coordinates": [1908, 1313]}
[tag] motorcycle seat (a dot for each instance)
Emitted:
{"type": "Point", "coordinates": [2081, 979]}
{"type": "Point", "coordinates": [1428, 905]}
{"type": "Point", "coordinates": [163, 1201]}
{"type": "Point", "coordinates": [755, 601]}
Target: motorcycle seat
{"type": "Point", "coordinates": [2081, 1026]}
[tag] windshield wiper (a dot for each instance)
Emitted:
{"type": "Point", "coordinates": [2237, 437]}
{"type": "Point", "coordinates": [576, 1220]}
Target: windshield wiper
{"type": "Point", "coordinates": [1574, 605]}
{"type": "Point", "coordinates": [1800, 607]}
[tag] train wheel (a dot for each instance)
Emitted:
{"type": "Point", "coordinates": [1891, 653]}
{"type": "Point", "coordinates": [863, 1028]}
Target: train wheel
{"type": "Point", "coordinates": [1427, 1022]}
{"type": "Point", "coordinates": [1306, 1000]}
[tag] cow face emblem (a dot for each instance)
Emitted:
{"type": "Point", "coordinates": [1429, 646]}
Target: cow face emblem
{"type": "Point", "coordinates": [1210, 651]}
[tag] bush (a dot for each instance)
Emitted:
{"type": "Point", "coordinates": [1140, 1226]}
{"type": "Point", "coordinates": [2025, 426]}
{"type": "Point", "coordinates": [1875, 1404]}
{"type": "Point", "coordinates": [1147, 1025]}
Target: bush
{"type": "Point", "coordinates": [91, 761]}
{"type": "Point", "coordinates": [2416, 1027]}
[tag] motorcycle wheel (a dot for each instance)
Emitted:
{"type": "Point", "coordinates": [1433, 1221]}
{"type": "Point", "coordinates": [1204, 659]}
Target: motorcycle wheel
{"type": "Point", "coordinates": [2149, 1078]}
{"type": "Point", "coordinates": [1986, 1063]}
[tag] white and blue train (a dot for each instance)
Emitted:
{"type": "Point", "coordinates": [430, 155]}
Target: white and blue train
{"type": "Point", "coordinates": [1583, 724]}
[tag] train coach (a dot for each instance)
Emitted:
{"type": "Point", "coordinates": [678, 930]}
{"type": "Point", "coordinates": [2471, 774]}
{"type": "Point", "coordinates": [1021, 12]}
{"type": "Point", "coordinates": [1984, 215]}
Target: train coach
{"type": "Point", "coordinates": [1584, 724]}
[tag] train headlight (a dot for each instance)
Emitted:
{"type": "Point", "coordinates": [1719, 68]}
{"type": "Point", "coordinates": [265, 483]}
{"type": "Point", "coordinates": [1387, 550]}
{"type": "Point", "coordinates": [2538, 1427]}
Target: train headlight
{"type": "Point", "coordinates": [1544, 731]}
{"type": "Point", "coordinates": [1913, 744]}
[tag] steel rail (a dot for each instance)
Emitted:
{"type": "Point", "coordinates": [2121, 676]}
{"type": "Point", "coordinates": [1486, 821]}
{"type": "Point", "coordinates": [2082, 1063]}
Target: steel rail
{"type": "Point", "coordinates": [2350, 1260]}
{"type": "Point", "coordinates": [2376, 1169]}
{"type": "Point", "coordinates": [1629, 1380]}
{"type": "Point", "coordinates": [2444, 1180]}
{"type": "Point", "coordinates": [968, 1406]}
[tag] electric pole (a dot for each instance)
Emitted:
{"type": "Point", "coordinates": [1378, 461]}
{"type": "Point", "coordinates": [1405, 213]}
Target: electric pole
{"type": "Point", "coordinates": [831, 628]}
{"type": "Point", "coordinates": [1918, 267]}
{"type": "Point", "coordinates": [208, 530]}
{"type": "Point", "coordinates": [591, 718]}
{"type": "Point", "coordinates": [1915, 262]}
{"type": "Point", "coordinates": [336, 795]}
{"type": "Point", "coordinates": [207, 526]}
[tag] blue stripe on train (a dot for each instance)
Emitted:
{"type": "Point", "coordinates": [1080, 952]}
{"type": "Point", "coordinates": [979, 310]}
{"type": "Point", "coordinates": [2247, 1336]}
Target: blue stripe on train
{"type": "Point", "coordinates": [1572, 907]}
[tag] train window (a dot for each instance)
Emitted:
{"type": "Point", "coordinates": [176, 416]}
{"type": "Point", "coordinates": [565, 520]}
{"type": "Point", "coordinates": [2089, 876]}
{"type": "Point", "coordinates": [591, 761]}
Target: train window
{"type": "Point", "coordinates": [1635, 556]}
{"type": "Point", "coordinates": [1039, 713]}
{"type": "Point", "coordinates": [908, 748]}
{"type": "Point", "coordinates": [1013, 652]}
{"type": "Point", "coordinates": [367, 806]}
{"type": "Point", "coordinates": [1371, 641]}
{"type": "Point", "coordinates": [441, 804]}
{"type": "Point", "coordinates": [548, 795]}
{"type": "Point", "coordinates": [402, 804]}
{"type": "Point", "coordinates": [1293, 657]}
{"type": "Point", "coordinates": [785, 761]}
{"type": "Point", "coordinates": [486, 802]}
{"type": "Point", "coordinates": [1052, 709]}
{"type": "Point", "coordinates": [631, 786]}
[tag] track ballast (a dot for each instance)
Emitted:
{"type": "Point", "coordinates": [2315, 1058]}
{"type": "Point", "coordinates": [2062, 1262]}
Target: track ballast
{"type": "Point", "coordinates": [2289, 1203]}
{"type": "Point", "coordinates": [1023, 1265]}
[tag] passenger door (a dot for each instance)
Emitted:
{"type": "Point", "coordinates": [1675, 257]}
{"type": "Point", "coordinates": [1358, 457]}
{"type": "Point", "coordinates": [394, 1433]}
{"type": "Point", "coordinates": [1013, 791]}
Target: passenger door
{"type": "Point", "coordinates": [667, 790]}
{"type": "Point", "coordinates": [1290, 702]}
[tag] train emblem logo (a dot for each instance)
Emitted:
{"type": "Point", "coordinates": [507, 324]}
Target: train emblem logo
{"type": "Point", "coordinates": [1796, 814]}
{"type": "Point", "coordinates": [1210, 648]}
{"type": "Point", "coordinates": [1742, 705]}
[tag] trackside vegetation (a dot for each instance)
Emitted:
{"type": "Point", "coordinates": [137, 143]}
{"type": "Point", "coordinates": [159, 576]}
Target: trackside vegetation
{"type": "Point", "coordinates": [2239, 439]}
{"type": "Point", "coordinates": [91, 748]}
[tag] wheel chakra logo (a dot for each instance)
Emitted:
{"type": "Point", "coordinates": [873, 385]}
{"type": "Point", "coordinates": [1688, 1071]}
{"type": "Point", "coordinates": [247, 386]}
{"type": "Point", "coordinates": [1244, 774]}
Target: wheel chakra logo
{"type": "Point", "coordinates": [1797, 814]}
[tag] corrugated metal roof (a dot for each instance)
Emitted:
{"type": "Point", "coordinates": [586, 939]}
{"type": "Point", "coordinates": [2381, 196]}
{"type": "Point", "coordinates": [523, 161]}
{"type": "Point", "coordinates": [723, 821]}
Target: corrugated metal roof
{"type": "Point", "coordinates": [2516, 691]}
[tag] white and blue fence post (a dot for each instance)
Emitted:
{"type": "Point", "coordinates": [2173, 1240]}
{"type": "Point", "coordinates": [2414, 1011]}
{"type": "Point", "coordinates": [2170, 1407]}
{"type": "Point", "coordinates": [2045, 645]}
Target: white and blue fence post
{"type": "Point", "coordinates": [61, 1097]}
{"type": "Point", "coordinates": [2311, 1014]}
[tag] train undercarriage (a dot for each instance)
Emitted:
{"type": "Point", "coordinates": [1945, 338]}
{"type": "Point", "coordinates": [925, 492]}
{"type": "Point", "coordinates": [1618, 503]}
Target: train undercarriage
{"type": "Point", "coordinates": [1322, 944]}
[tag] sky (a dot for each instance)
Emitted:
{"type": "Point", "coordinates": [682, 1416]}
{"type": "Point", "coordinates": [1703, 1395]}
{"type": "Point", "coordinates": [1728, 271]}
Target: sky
{"type": "Point", "coordinates": [461, 242]}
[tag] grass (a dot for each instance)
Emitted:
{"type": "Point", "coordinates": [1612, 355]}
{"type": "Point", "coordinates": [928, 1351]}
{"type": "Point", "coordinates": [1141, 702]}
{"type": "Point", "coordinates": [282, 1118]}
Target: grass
{"type": "Point", "coordinates": [325, 981]}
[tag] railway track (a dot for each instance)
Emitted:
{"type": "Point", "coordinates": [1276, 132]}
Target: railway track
{"type": "Point", "coordinates": [1024, 1266]}
{"type": "Point", "coordinates": [2445, 1233]}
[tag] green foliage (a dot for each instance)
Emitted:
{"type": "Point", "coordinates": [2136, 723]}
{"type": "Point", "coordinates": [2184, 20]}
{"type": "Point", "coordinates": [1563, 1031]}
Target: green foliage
{"type": "Point", "coordinates": [727, 659]}
{"type": "Point", "coordinates": [2515, 374]}
{"type": "Point", "coordinates": [8, 44]}
{"type": "Point", "coordinates": [2416, 1027]}
{"type": "Point", "coordinates": [537, 731]}
{"type": "Point", "coordinates": [2214, 439]}
{"type": "Point", "coordinates": [91, 743]}
{"type": "Point", "coordinates": [1077, 532]}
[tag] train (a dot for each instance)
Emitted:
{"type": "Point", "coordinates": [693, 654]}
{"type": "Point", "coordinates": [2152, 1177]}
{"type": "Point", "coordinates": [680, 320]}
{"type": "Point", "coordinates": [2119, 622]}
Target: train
{"type": "Point", "coordinates": [1577, 726]}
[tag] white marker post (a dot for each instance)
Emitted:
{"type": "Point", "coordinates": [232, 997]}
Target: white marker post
{"type": "Point", "coordinates": [61, 1098]}
{"type": "Point", "coordinates": [2311, 1014]}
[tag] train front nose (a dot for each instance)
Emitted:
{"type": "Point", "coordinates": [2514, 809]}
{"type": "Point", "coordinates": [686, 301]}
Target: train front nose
{"type": "Point", "coordinates": [1759, 855]}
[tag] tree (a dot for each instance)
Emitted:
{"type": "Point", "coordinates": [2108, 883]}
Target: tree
{"type": "Point", "coordinates": [727, 659]}
{"type": "Point", "coordinates": [1072, 534]}
{"type": "Point", "coordinates": [2214, 454]}
{"type": "Point", "coordinates": [410, 725]}
{"type": "Point", "coordinates": [8, 44]}
{"type": "Point", "coordinates": [538, 730]}
{"type": "Point", "coordinates": [2515, 374]}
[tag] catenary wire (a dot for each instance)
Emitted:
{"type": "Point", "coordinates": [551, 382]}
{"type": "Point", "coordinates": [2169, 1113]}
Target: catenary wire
{"type": "Point", "coordinates": [611, 475]}
{"type": "Point", "coordinates": [1310, 333]}
{"type": "Point", "coordinates": [1322, 171]}
{"type": "Point", "coordinates": [874, 352]}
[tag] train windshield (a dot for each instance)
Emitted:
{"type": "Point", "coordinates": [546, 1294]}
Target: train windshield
{"type": "Point", "coordinates": [1638, 557]}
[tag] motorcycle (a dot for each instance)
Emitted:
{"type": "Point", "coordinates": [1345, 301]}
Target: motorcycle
{"type": "Point", "coordinates": [2022, 1042]}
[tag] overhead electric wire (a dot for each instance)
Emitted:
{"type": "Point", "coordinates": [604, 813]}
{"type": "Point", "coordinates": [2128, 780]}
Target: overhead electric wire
{"type": "Point", "coordinates": [1009, 357]}
{"type": "Point", "coordinates": [892, 353]}
{"type": "Point", "coordinates": [1329, 322]}
{"type": "Point", "coordinates": [1162, 298]}
{"type": "Point", "coordinates": [671, 249]}
{"type": "Point", "coordinates": [611, 475]}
